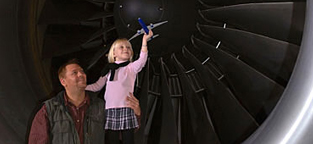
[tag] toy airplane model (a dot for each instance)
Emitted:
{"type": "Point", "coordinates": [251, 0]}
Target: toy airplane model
{"type": "Point", "coordinates": [146, 29]}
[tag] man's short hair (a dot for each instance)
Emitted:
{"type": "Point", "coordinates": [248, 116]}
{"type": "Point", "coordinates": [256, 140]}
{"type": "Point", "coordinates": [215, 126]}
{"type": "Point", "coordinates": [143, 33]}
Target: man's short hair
{"type": "Point", "coordinates": [62, 70]}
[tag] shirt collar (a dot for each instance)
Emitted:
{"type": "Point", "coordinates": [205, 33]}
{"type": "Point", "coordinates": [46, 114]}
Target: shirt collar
{"type": "Point", "coordinates": [118, 62]}
{"type": "Point", "coordinates": [85, 101]}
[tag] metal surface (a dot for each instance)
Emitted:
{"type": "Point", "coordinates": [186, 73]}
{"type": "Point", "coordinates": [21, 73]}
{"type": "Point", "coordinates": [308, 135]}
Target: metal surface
{"type": "Point", "coordinates": [291, 121]}
{"type": "Point", "coordinates": [219, 86]}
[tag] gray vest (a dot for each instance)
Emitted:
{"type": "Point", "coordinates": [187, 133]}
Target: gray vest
{"type": "Point", "coordinates": [62, 127]}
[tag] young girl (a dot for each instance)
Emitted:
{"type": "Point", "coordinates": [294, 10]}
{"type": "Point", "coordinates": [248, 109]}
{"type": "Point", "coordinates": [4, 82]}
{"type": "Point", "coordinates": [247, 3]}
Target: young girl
{"type": "Point", "coordinates": [119, 77]}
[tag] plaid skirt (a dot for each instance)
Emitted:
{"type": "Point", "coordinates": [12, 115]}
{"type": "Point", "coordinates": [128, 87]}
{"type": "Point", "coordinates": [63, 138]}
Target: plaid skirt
{"type": "Point", "coordinates": [120, 119]}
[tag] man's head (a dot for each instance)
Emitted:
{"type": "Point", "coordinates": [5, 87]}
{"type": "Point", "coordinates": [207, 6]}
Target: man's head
{"type": "Point", "coordinates": [72, 76]}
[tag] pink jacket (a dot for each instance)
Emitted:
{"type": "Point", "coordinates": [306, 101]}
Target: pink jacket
{"type": "Point", "coordinates": [122, 84]}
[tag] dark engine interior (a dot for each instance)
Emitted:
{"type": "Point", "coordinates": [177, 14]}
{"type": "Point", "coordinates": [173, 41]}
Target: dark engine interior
{"type": "Point", "coordinates": [216, 68]}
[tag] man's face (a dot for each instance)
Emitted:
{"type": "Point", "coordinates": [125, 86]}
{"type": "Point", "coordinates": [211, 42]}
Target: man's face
{"type": "Point", "coordinates": [74, 78]}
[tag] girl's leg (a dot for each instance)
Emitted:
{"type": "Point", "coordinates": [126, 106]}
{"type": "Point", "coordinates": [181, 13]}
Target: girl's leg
{"type": "Point", "coordinates": [128, 136]}
{"type": "Point", "coordinates": [112, 137]}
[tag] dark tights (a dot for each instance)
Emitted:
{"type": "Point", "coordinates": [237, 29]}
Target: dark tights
{"type": "Point", "coordinates": [113, 137]}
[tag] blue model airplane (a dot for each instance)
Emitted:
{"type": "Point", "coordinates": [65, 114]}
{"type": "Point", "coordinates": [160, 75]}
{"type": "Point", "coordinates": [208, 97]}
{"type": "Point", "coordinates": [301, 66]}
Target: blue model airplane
{"type": "Point", "coordinates": [151, 26]}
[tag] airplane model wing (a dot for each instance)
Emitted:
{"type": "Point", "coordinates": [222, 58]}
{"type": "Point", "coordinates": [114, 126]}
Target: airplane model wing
{"type": "Point", "coordinates": [151, 26]}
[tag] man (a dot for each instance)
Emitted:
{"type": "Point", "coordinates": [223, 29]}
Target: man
{"type": "Point", "coordinates": [74, 116]}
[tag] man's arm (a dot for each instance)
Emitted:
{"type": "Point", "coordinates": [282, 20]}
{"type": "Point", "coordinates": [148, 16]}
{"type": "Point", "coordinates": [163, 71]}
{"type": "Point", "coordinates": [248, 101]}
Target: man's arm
{"type": "Point", "coordinates": [133, 103]}
{"type": "Point", "coordinates": [39, 132]}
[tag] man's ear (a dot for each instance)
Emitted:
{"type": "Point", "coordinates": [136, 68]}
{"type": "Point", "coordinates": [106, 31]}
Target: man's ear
{"type": "Point", "coordinates": [62, 81]}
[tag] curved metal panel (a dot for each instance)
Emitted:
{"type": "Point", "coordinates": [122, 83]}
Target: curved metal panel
{"type": "Point", "coordinates": [196, 127]}
{"type": "Point", "coordinates": [262, 94]}
{"type": "Point", "coordinates": [230, 120]}
{"type": "Point", "coordinates": [168, 124]}
{"type": "Point", "coordinates": [279, 20]}
{"type": "Point", "coordinates": [291, 122]}
{"type": "Point", "coordinates": [272, 57]}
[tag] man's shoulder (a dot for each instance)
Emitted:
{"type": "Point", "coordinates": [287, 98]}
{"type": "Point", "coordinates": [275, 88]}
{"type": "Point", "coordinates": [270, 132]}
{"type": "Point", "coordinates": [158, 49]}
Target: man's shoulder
{"type": "Point", "coordinates": [95, 100]}
{"type": "Point", "coordinates": [56, 99]}
{"type": "Point", "coordinates": [93, 96]}
{"type": "Point", "coordinates": [91, 93]}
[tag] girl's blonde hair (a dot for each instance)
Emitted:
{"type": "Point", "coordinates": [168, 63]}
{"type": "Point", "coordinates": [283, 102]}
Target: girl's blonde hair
{"type": "Point", "coordinates": [111, 58]}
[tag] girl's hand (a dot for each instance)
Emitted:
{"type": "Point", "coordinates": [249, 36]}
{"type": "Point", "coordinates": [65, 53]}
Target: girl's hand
{"type": "Point", "coordinates": [147, 36]}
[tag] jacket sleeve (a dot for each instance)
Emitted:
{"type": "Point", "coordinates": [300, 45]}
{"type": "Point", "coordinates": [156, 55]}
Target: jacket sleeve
{"type": "Point", "coordinates": [140, 62]}
{"type": "Point", "coordinates": [97, 86]}
{"type": "Point", "coordinates": [39, 132]}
